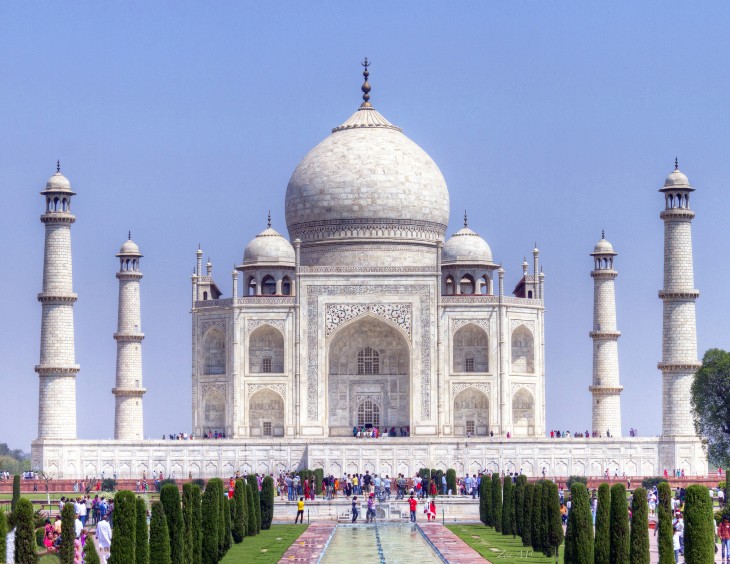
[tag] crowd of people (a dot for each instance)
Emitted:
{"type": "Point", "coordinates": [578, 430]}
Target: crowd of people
{"type": "Point", "coordinates": [191, 436]}
{"type": "Point", "coordinates": [558, 434]}
{"type": "Point", "coordinates": [375, 432]}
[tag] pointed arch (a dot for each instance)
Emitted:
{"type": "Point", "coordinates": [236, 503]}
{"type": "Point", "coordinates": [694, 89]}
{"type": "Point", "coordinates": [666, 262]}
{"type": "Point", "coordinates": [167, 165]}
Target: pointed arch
{"type": "Point", "coordinates": [471, 413]}
{"type": "Point", "coordinates": [449, 285]}
{"type": "Point", "coordinates": [268, 286]}
{"type": "Point", "coordinates": [523, 413]}
{"type": "Point", "coordinates": [266, 350]}
{"type": "Point", "coordinates": [266, 413]}
{"type": "Point", "coordinates": [470, 351]}
{"type": "Point", "coordinates": [214, 411]}
{"type": "Point", "coordinates": [214, 351]}
{"type": "Point", "coordinates": [523, 350]}
{"type": "Point", "coordinates": [466, 284]}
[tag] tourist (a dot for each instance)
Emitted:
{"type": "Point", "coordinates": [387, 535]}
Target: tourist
{"type": "Point", "coordinates": [355, 510]}
{"type": "Point", "coordinates": [412, 504]}
{"type": "Point", "coordinates": [370, 514]}
{"type": "Point", "coordinates": [723, 532]}
{"type": "Point", "coordinates": [431, 513]}
{"type": "Point", "coordinates": [78, 526]}
{"type": "Point", "coordinates": [300, 511]}
{"type": "Point", "coordinates": [104, 538]}
{"type": "Point", "coordinates": [676, 545]}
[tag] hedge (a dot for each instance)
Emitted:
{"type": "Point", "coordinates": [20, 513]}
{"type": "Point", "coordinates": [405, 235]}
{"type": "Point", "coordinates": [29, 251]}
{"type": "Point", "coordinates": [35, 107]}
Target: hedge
{"type": "Point", "coordinates": [620, 534]}
{"type": "Point", "coordinates": [68, 534]}
{"type": "Point", "coordinates": [267, 503]}
{"type": "Point", "coordinates": [527, 514]}
{"type": "Point", "coordinates": [170, 499]}
{"type": "Point", "coordinates": [3, 533]}
{"type": "Point", "coordinates": [125, 519]}
{"type": "Point", "coordinates": [24, 532]}
{"type": "Point", "coordinates": [639, 552]}
{"type": "Point", "coordinates": [197, 525]}
{"type": "Point", "coordinates": [496, 502]}
{"type": "Point", "coordinates": [508, 506]}
{"type": "Point", "coordinates": [451, 481]}
{"type": "Point", "coordinates": [16, 492]}
{"type": "Point", "coordinates": [699, 530]}
{"type": "Point", "coordinates": [239, 521]}
{"type": "Point", "coordinates": [665, 532]}
{"type": "Point", "coordinates": [159, 536]}
{"type": "Point", "coordinates": [576, 480]}
{"type": "Point", "coordinates": [318, 477]}
{"type": "Point", "coordinates": [519, 503]}
{"type": "Point", "coordinates": [209, 520]}
{"type": "Point", "coordinates": [554, 520]}
{"type": "Point", "coordinates": [602, 545]}
{"type": "Point", "coordinates": [649, 483]}
{"type": "Point", "coordinates": [250, 512]}
{"type": "Point", "coordinates": [536, 518]}
{"type": "Point", "coordinates": [90, 554]}
{"type": "Point", "coordinates": [142, 551]}
{"type": "Point", "coordinates": [108, 485]}
{"type": "Point", "coordinates": [579, 535]}
{"type": "Point", "coordinates": [254, 483]}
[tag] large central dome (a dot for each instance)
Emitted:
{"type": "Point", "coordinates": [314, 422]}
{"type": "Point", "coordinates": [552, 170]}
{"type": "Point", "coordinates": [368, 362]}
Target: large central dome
{"type": "Point", "coordinates": [367, 180]}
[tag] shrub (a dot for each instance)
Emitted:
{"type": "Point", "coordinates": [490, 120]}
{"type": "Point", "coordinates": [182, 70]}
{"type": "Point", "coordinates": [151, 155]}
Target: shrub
{"type": "Point", "coordinates": [227, 538]}
{"type": "Point", "coordinates": [40, 534]}
{"type": "Point", "coordinates": [90, 554]}
{"type": "Point", "coordinates": [239, 522]}
{"type": "Point", "coordinates": [486, 498]}
{"type": "Point", "coordinates": [602, 545]}
{"type": "Point", "coordinates": [665, 533]}
{"type": "Point", "coordinates": [24, 535]}
{"type": "Point", "coordinates": [250, 512]}
{"type": "Point", "coordinates": [210, 519]}
{"type": "Point", "coordinates": [508, 506]}
{"type": "Point", "coordinates": [68, 534]}
{"type": "Point", "coordinates": [170, 499]}
{"type": "Point", "coordinates": [3, 533]}
{"type": "Point", "coordinates": [318, 477]}
{"type": "Point", "coordinates": [579, 536]}
{"type": "Point", "coordinates": [267, 503]}
{"type": "Point", "coordinates": [142, 550]}
{"type": "Point", "coordinates": [496, 502]}
{"type": "Point", "coordinates": [576, 480]}
{"type": "Point", "coordinates": [699, 532]}
{"type": "Point", "coordinates": [16, 492]}
{"type": "Point", "coordinates": [108, 485]}
{"type": "Point", "coordinates": [451, 480]}
{"type": "Point", "coordinates": [162, 483]}
{"type": "Point", "coordinates": [519, 503]}
{"type": "Point", "coordinates": [125, 517]}
{"type": "Point", "coordinates": [188, 522]}
{"type": "Point", "coordinates": [554, 519]}
{"type": "Point", "coordinates": [649, 483]}
{"type": "Point", "coordinates": [527, 514]}
{"type": "Point", "coordinates": [620, 534]}
{"type": "Point", "coordinates": [160, 537]}
{"type": "Point", "coordinates": [547, 548]}
{"type": "Point", "coordinates": [482, 501]}
{"type": "Point", "coordinates": [639, 552]}
{"type": "Point", "coordinates": [197, 526]}
{"type": "Point", "coordinates": [200, 483]}
{"type": "Point", "coordinates": [218, 484]}
{"type": "Point", "coordinates": [536, 517]}
{"type": "Point", "coordinates": [253, 482]}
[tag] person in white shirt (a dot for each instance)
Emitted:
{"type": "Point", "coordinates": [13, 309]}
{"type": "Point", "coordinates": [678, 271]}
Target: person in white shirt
{"type": "Point", "coordinates": [104, 536]}
{"type": "Point", "coordinates": [78, 526]}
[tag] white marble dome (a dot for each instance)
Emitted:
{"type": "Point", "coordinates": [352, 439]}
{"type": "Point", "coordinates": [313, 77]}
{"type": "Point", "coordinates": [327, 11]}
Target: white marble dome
{"type": "Point", "coordinates": [603, 247]}
{"type": "Point", "coordinates": [466, 247]}
{"type": "Point", "coordinates": [129, 248]}
{"type": "Point", "coordinates": [677, 180]}
{"type": "Point", "coordinates": [269, 248]}
{"type": "Point", "coordinates": [366, 179]}
{"type": "Point", "coordinates": [58, 183]}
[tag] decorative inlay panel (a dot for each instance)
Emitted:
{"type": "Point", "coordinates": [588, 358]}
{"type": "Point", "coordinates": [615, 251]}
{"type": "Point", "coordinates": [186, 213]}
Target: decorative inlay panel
{"type": "Point", "coordinates": [337, 314]}
{"type": "Point", "coordinates": [364, 269]}
{"type": "Point", "coordinates": [515, 323]}
{"type": "Point", "coordinates": [461, 386]}
{"type": "Point", "coordinates": [457, 324]}
{"type": "Point", "coordinates": [205, 389]}
{"type": "Point", "coordinates": [252, 324]}
{"type": "Point", "coordinates": [375, 398]}
{"type": "Point", "coordinates": [205, 325]}
{"type": "Point", "coordinates": [278, 388]}
{"type": "Point", "coordinates": [514, 386]}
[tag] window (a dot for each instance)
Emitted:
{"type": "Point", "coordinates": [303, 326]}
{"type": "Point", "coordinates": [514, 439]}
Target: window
{"type": "Point", "coordinates": [470, 427]}
{"type": "Point", "coordinates": [267, 428]}
{"type": "Point", "coordinates": [469, 365]}
{"type": "Point", "coordinates": [266, 365]}
{"type": "Point", "coordinates": [368, 412]}
{"type": "Point", "coordinates": [368, 361]}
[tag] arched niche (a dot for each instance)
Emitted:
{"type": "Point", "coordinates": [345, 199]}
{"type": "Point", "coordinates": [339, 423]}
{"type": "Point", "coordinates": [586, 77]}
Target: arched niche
{"type": "Point", "coordinates": [523, 351]}
{"type": "Point", "coordinates": [471, 413]}
{"type": "Point", "coordinates": [214, 411]}
{"type": "Point", "coordinates": [368, 360]}
{"type": "Point", "coordinates": [214, 351]}
{"type": "Point", "coordinates": [266, 414]}
{"type": "Point", "coordinates": [470, 349]}
{"type": "Point", "coordinates": [266, 351]}
{"type": "Point", "coordinates": [523, 413]}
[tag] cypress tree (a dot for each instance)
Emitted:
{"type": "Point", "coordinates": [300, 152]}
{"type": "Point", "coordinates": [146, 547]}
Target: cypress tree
{"type": "Point", "coordinates": [24, 532]}
{"type": "Point", "coordinates": [508, 506]}
{"type": "Point", "coordinates": [579, 536]}
{"type": "Point", "coordinates": [241, 522]}
{"type": "Point", "coordinates": [639, 528]}
{"type": "Point", "coordinates": [699, 530]}
{"type": "Point", "coordinates": [665, 541]}
{"type": "Point", "coordinates": [620, 534]}
{"type": "Point", "coordinates": [519, 503]}
{"type": "Point", "coordinates": [170, 499]}
{"type": "Point", "coordinates": [68, 534]}
{"type": "Point", "coordinates": [602, 546]}
{"type": "Point", "coordinates": [187, 516]}
{"type": "Point", "coordinates": [210, 519]}
{"type": "Point", "coordinates": [267, 503]}
{"type": "Point", "coordinates": [222, 509]}
{"type": "Point", "coordinates": [159, 536]}
{"type": "Point", "coordinates": [527, 514]}
{"type": "Point", "coordinates": [90, 554]}
{"type": "Point", "coordinates": [250, 512]}
{"type": "Point", "coordinates": [142, 550]}
{"type": "Point", "coordinates": [16, 492]}
{"type": "Point", "coordinates": [254, 483]}
{"type": "Point", "coordinates": [554, 520]}
{"type": "Point", "coordinates": [536, 517]}
{"type": "Point", "coordinates": [451, 481]}
{"type": "Point", "coordinates": [547, 549]}
{"type": "Point", "coordinates": [482, 504]}
{"type": "Point", "coordinates": [486, 497]}
{"type": "Point", "coordinates": [496, 502]}
{"type": "Point", "coordinates": [125, 520]}
{"type": "Point", "coordinates": [227, 539]}
{"type": "Point", "coordinates": [3, 533]}
{"type": "Point", "coordinates": [197, 526]}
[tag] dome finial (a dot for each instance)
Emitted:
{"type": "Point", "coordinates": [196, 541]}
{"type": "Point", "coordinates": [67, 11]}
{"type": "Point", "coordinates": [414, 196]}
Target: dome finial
{"type": "Point", "coordinates": [366, 85]}
{"type": "Point", "coordinates": [676, 163]}
{"type": "Point", "coordinates": [58, 166]}
{"type": "Point", "coordinates": [269, 219]}
{"type": "Point", "coordinates": [466, 220]}
{"type": "Point", "coordinates": [603, 233]}
{"type": "Point", "coordinates": [129, 234]}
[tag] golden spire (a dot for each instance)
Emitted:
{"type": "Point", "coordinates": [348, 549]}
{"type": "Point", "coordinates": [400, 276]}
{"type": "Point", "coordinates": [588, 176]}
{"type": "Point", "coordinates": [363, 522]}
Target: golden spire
{"type": "Point", "coordinates": [366, 85]}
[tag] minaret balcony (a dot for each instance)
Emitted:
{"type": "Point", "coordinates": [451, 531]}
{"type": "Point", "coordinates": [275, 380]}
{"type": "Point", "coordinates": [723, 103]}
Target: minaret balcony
{"type": "Point", "coordinates": [605, 390]}
{"type": "Point", "coordinates": [677, 213]}
{"type": "Point", "coordinates": [50, 370]}
{"type": "Point", "coordinates": [139, 337]}
{"type": "Point", "coordinates": [679, 366]}
{"type": "Point", "coordinates": [679, 294]}
{"type": "Point", "coordinates": [605, 335]}
{"type": "Point", "coordinates": [57, 298]}
{"type": "Point", "coordinates": [58, 217]}
{"type": "Point", "coordinates": [139, 392]}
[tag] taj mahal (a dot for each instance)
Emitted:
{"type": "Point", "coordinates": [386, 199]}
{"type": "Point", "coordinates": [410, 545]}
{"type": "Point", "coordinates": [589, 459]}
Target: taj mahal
{"type": "Point", "coordinates": [366, 313]}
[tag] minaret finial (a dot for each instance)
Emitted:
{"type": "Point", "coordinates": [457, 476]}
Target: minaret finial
{"type": "Point", "coordinates": [58, 165]}
{"type": "Point", "coordinates": [129, 235]}
{"type": "Point", "coordinates": [603, 234]}
{"type": "Point", "coordinates": [676, 163]}
{"type": "Point", "coordinates": [269, 219]}
{"type": "Point", "coordinates": [466, 220]}
{"type": "Point", "coordinates": [365, 85]}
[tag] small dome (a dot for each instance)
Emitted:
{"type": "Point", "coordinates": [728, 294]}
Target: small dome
{"type": "Point", "coordinates": [269, 248]}
{"type": "Point", "coordinates": [129, 248]}
{"type": "Point", "coordinates": [58, 183]}
{"type": "Point", "coordinates": [603, 247]}
{"type": "Point", "coordinates": [466, 246]}
{"type": "Point", "coordinates": [677, 179]}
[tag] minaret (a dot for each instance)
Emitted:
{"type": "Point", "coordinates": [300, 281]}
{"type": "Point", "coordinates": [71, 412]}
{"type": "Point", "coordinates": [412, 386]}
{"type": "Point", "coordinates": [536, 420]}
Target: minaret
{"type": "Point", "coordinates": [606, 389]}
{"type": "Point", "coordinates": [679, 332]}
{"type": "Point", "coordinates": [128, 392]}
{"type": "Point", "coordinates": [57, 368]}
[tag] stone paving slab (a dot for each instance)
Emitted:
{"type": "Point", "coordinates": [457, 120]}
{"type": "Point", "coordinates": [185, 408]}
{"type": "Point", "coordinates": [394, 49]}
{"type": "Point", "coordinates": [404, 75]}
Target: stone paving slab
{"type": "Point", "coordinates": [310, 544]}
{"type": "Point", "coordinates": [451, 547]}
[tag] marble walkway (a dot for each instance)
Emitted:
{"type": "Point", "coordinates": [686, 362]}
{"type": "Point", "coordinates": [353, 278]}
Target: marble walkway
{"type": "Point", "coordinates": [451, 547]}
{"type": "Point", "coordinates": [310, 544]}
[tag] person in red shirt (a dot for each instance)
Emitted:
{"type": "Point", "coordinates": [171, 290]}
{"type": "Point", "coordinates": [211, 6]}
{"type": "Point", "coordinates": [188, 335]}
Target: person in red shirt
{"type": "Point", "coordinates": [724, 532]}
{"type": "Point", "coordinates": [412, 504]}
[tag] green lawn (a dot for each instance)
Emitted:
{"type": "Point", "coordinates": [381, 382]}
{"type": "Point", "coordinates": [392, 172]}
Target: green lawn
{"type": "Point", "coordinates": [490, 545]}
{"type": "Point", "coordinates": [267, 546]}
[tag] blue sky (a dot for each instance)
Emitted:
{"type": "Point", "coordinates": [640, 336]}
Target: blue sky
{"type": "Point", "coordinates": [183, 122]}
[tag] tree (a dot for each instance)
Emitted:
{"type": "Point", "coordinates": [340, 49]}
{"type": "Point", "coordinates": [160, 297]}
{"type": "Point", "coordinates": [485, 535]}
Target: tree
{"type": "Point", "coordinates": [239, 522]}
{"type": "Point", "coordinates": [24, 532]}
{"type": "Point", "coordinates": [482, 501]}
{"type": "Point", "coordinates": [579, 536]}
{"type": "Point", "coordinates": [699, 530]}
{"type": "Point", "coordinates": [16, 492]}
{"type": "Point", "coordinates": [527, 514]}
{"type": "Point", "coordinates": [170, 499]}
{"type": "Point", "coordinates": [639, 553]}
{"type": "Point", "coordinates": [221, 518]}
{"type": "Point", "coordinates": [497, 502]}
{"type": "Point", "coordinates": [210, 519]}
{"type": "Point", "coordinates": [665, 540]}
{"type": "Point", "coordinates": [250, 512]}
{"type": "Point", "coordinates": [142, 551]}
{"type": "Point", "coordinates": [519, 503]}
{"type": "Point", "coordinates": [125, 519]}
{"type": "Point", "coordinates": [554, 520]}
{"type": "Point", "coordinates": [188, 523]}
{"type": "Point", "coordinates": [451, 480]}
{"type": "Point", "coordinates": [159, 536]}
{"type": "Point", "coordinates": [227, 538]}
{"type": "Point", "coordinates": [508, 506]}
{"type": "Point", "coordinates": [620, 534]}
{"type": "Point", "coordinates": [486, 498]}
{"type": "Point", "coordinates": [536, 517]}
{"type": "Point", "coordinates": [197, 526]}
{"type": "Point", "coordinates": [547, 548]}
{"type": "Point", "coordinates": [68, 534]}
{"type": "Point", "coordinates": [711, 405]}
{"type": "Point", "coordinates": [254, 483]}
{"type": "Point", "coordinates": [3, 533]}
{"type": "Point", "coordinates": [267, 503]}
{"type": "Point", "coordinates": [602, 551]}
{"type": "Point", "coordinates": [90, 554]}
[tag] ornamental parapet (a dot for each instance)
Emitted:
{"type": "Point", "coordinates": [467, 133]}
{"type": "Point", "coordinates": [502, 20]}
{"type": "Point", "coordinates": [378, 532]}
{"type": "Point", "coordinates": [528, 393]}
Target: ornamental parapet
{"type": "Point", "coordinates": [677, 213]}
{"type": "Point", "coordinates": [57, 217]}
{"type": "Point", "coordinates": [604, 273]}
{"type": "Point", "coordinates": [261, 300]}
{"type": "Point", "coordinates": [368, 228]}
{"type": "Point", "coordinates": [480, 299]}
{"type": "Point", "coordinates": [139, 337]}
{"type": "Point", "coordinates": [605, 335]}
{"type": "Point", "coordinates": [679, 294]}
{"type": "Point", "coordinates": [139, 392]}
{"type": "Point", "coordinates": [129, 275]}
{"type": "Point", "coordinates": [606, 390]}
{"type": "Point", "coordinates": [214, 303]}
{"type": "Point", "coordinates": [49, 370]}
{"type": "Point", "coordinates": [57, 298]}
{"type": "Point", "coordinates": [679, 366]}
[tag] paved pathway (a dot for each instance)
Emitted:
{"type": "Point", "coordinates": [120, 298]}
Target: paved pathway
{"type": "Point", "coordinates": [310, 544]}
{"type": "Point", "coordinates": [449, 545]}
